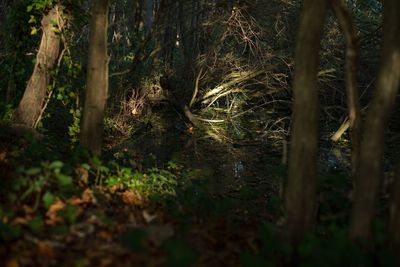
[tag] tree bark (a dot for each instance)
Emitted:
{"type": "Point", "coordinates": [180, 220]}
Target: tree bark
{"type": "Point", "coordinates": [369, 170]}
{"type": "Point", "coordinates": [3, 18]}
{"type": "Point", "coordinates": [349, 31]}
{"type": "Point", "coordinates": [148, 16]}
{"type": "Point", "coordinates": [97, 79]}
{"type": "Point", "coordinates": [301, 186]}
{"type": "Point", "coordinates": [394, 219]}
{"type": "Point", "coordinates": [29, 109]}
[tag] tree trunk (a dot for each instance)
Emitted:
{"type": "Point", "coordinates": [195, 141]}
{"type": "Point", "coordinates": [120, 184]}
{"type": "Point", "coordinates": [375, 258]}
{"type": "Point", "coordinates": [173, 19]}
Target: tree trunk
{"type": "Point", "coordinates": [349, 31]}
{"type": "Point", "coordinates": [369, 170]}
{"type": "Point", "coordinates": [300, 190]}
{"type": "Point", "coordinates": [148, 16]}
{"type": "Point", "coordinates": [30, 108]}
{"type": "Point", "coordinates": [3, 18]}
{"type": "Point", "coordinates": [97, 79]}
{"type": "Point", "coordinates": [394, 220]}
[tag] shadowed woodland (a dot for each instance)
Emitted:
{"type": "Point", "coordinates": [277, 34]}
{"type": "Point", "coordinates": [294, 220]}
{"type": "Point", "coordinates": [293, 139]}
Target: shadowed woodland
{"type": "Point", "coordinates": [199, 133]}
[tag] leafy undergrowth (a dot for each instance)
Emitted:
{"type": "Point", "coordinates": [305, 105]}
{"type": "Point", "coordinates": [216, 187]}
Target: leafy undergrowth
{"type": "Point", "coordinates": [72, 210]}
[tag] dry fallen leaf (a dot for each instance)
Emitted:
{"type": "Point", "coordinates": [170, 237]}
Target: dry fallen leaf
{"type": "Point", "coordinates": [22, 220]}
{"type": "Point", "coordinates": [82, 175]}
{"type": "Point", "coordinates": [52, 212]}
{"type": "Point", "coordinates": [86, 198]}
{"type": "Point", "coordinates": [27, 209]}
{"type": "Point", "coordinates": [131, 198]}
{"type": "Point", "coordinates": [114, 188]}
{"type": "Point", "coordinates": [75, 201]}
{"type": "Point", "coordinates": [45, 250]}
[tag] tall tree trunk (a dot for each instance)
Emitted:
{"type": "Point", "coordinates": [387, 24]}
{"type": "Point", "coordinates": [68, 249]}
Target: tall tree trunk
{"type": "Point", "coordinates": [349, 31]}
{"type": "Point", "coordinates": [97, 79]}
{"type": "Point", "coordinates": [369, 170]}
{"type": "Point", "coordinates": [29, 109]}
{"type": "Point", "coordinates": [301, 186]}
{"type": "Point", "coordinates": [168, 33]}
{"type": "Point", "coordinates": [3, 18]}
{"type": "Point", "coordinates": [394, 220]}
{"type": "Point", "coordinates": [148, 16]}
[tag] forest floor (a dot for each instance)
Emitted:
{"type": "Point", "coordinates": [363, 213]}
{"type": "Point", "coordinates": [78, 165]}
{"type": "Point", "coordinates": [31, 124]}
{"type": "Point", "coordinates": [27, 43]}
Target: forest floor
{"type": "Point", "coordinates": [195, 202]}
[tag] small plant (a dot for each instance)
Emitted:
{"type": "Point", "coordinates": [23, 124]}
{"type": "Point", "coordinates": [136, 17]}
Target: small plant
{"type": "Point", "coordinates": [153, 182]}
{"type": "Point", "coordinates": [36, 183]}
{"type": "Point", "coordinates": [135, 105]}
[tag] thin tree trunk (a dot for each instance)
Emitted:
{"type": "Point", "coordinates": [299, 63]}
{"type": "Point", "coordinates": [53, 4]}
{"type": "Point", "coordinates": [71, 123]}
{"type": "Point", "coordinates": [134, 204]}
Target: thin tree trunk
{"type": "Point", "coordinates": [148, 16]}
{"type": "Point", "coordinates": [29, 109]}
{"type": "Point", "coordinates": [3, 18]}
{"type": "Point", "coordinates": [301, 186]}
{"type": "Point", "coordinates": [349, 31]}
{"type": "Point", "coordinates": [394, 220]}
{"type": "Point", "coordinates": [97, 79]}
{"type": "Point", "coordinates": [369, 170]}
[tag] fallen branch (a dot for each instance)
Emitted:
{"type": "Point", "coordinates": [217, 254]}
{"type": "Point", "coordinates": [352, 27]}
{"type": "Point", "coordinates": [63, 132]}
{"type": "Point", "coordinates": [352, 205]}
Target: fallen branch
{"type": "Point", "coordinates": [342, 129]}
{"type": "Point", "coordinates": [225, 86]}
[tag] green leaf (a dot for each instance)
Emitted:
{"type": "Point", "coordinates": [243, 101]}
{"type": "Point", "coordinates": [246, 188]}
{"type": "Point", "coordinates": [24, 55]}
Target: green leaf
{"type": "Point", "coordinates": [29, 8]}
{"type": "Point", "coordinates": [56, 165]}
{"type": "Point", "coordinates": [85, 166]}
{"type": "Point", "coordinates": [48, 199]}
{"type": "Point", "coordinates": [96, 161]}
{"type": "Point", "coordinates": [32, 19]}
{"type": "Point", "coordinates": [70, 214]}
{"type": "Point", "coordinates": [33, 171]}
{"type": "Point", "coordinates": [63, 180]}
{"type": "Point", "coordinates": [33, 30]}
{"type": "Point", "coordinates": [53, 22]}
{"type": "Point", "coordinates": [36, 224]}
{"type": "Point", "coordinates": [103, 169]}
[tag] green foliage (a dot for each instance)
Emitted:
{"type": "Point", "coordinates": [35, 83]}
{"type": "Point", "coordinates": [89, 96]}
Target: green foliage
{"type": "Point", "coordinates": [48, 199]}
{"type": "Point", "coordinates": [6, 112]}
{"type": "Point", "coordinates": [17, 51]}
{"type": "Point", "coordinates": [74, 129]}
{"type": "Point", "coordinates": [35, 184]}
{"type": "Point", "coordinates": [64, 114]}
{"type": "Point", "coordinates": [39, 5]}
{"type": "Point", "coordinates": [70, 214]}
{"type": "Point", "coordinates": [154, 181]}
{"type": "Point", "coordinates": [36, 224]}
